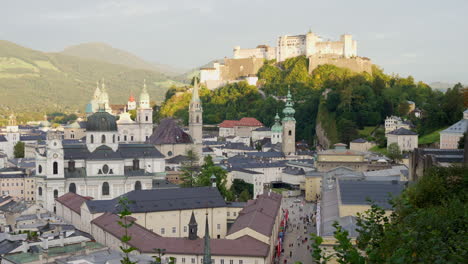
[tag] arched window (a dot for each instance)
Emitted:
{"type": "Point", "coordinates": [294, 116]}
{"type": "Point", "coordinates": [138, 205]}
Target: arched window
{"type": "Point", "coordinates": [55, 167]}
{"type": "Point", "coordinates": [103, 139]}
{"type": "Point", "coordinates": [137, 185]}
{"type": "Point", "coordinates": [39, 169]}
{"type": "Point", "coordinates": [113, 138]}
{"type": "Point", "coordinates": [146, 118]}
{"type": "Point", "coordinates": [91, 138]}
{"type": "Point", "coordinates": [55, 193]}
{"type": "Point", "coordinates": [198, 119]}
{"type": "Point", "coordinates": [39, 191]}
{"type": "Point", "coordinates": [72, 188]}
{"type": "Point", "coordinates": [105, 188]}
{"type": "Point", "coordinates": [290, 133]}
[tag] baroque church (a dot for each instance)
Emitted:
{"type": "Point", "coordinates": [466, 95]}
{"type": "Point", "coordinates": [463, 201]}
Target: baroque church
{"type": "Point", "coordinates": [117, 156]}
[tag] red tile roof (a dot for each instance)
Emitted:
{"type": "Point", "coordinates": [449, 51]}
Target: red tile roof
{"type": "Point", "coordinates": [245, 121]}
{"type": "Point", "coordinates": [259, 214]}
{"type": "Point", "coordinates": [73, 201]}
{"type": "Point", "coordinates": [146, 241]}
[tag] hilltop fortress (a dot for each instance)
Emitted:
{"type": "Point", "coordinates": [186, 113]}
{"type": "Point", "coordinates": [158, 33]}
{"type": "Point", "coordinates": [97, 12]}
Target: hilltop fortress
{"type": "Point", "coordinates": [245, 63]}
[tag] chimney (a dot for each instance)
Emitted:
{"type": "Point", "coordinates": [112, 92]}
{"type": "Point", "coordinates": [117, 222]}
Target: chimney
{"type": "Point", "coordinates": [25, 246]}
{"type": "Point", "coordinates": [61, 238]}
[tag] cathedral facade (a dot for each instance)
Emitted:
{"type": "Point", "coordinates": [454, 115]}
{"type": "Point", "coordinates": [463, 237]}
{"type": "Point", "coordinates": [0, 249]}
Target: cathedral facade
{"type": "Point", "coordinates": [102, 168]}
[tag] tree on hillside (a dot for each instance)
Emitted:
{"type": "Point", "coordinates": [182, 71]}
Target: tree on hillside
{"type": "Point", "coordinates": [190, 169]}
{"type": "Point", "coordinates": [348, 130]}
{"type": "Point", "coordinates": [238, 186]}
{"type": "Point", "coordinates": [394, 152]}
{"type": "Point", "coordinates": [209, 169]}
{"type": "Point", "coordinates": [244, 196]}
{"type": "Point", "coordinates": [403, 108]}
{"type": "Point", "coordinates": [18, 150]}
{"type": "Point", "coordinates": [428, 225]}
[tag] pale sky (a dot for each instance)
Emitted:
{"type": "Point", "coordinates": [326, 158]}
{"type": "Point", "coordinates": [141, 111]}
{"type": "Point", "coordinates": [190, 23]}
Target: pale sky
{"type": "Point", "coordinates": [427, 39]}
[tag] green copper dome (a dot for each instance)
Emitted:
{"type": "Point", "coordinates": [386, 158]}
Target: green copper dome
{"type": "Point", "coordinates": [289, 111]}
{"type": "Point", "coordinates": [101, 121]}
{"type": "Point", "coordinates": [277, 127]}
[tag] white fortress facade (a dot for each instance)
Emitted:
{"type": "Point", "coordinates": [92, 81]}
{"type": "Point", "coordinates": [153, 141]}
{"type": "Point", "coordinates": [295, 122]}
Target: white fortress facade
{"type": "Point", "coordinates": [298, 45]}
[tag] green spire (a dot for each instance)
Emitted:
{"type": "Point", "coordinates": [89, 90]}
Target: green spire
{"type": "Point", "coordinates": [277, 126]}
{"type": "Point", "coordinates": [207, 252]}
{"type": "Point", "coordinates": [289, 111]}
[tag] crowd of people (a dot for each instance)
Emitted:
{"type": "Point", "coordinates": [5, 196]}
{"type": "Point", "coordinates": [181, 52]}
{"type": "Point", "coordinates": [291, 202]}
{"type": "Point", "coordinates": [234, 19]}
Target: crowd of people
{"type": "Point", "coordinates": [301, 222]}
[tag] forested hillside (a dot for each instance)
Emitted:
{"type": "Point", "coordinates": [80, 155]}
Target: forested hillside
{"type": "Point", "coordinates": [34, 81]}
{"type": "Point", "coordinates": [349, 102]}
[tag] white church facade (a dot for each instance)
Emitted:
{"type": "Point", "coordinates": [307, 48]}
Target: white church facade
{"type": "Point", "coordinates": [102, 168]}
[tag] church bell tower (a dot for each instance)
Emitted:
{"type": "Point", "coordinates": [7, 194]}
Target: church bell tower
{"type": "Point", "coordinates": [289, 128]}
{"type": "Point", "coordinates": [195, 116]}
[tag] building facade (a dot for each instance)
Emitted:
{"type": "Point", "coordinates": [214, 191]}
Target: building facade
{"type": "Point", "coordinates": [406, 139]}
{"type": "Point", "coordinates": [450, 137]}
{"type": "Point", "coordinates": [102, 167]}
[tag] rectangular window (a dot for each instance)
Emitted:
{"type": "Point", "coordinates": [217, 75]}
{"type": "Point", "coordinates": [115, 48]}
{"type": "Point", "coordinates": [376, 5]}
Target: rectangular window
{"type": "Point", "coordinates": [219, 226]}
{"type": "Point", "coordinates": [222, 261]}
{"type": "Point", "coordinates": [193, 260]}
{"type": "Point", "coordinates": [231, 261]}
{"type": "Point", "coordinates": [228, 214]}
{"type": "Point", "coordinates": [162, 231]}
{"type": "Point", "coordinates": [185, 229]}
{"type": "Point", "coordinates": [240, 261]}
{"type": "Point", "coordinates": [183, 260]}
{"type": "Point", "coordinates": [173, 229]}
{"type": "Point", "coordinates": [234, 213]}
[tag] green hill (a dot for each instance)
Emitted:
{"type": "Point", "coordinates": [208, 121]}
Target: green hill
{"type": "Point", "coordinates": [106, 53]}
{"type": "Point", "coordinates": [35, 81]}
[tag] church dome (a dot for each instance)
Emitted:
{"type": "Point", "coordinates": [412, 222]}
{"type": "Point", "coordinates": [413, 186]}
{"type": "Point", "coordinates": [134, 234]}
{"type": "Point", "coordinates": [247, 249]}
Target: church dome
{"type": "Point", "coordinates": [101, 121]}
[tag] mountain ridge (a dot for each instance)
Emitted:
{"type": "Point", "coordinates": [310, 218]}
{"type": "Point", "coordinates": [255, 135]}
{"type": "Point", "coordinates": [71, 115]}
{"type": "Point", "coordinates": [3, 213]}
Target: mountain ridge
{"type": "Point", "coordinates": [32, 80]}
{"type": "Point", "coordinates": [104, 52]}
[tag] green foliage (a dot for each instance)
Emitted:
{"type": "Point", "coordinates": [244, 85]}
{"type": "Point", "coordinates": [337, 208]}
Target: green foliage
{"type": "Point", "coordinates": [18, 150]}
{"type": "Point", "coordinates": [133, 114]}
{"type": "Point", "coordinates": [190, 169]}
{"type": "Point", "coordinates": [244, 196]}
{"type": "Point", "coordinates": [204, 178]}
{"type": "Point", "coordinates": [62, 118]}
{"type": "Point", "coordinates": [125, 222]}
{"type": "Point", "coordinates": [428, 225]}
{"type": "Point", "coordinates": [394, 152]}
{"type": "Point", "coordinates": [239, 186]}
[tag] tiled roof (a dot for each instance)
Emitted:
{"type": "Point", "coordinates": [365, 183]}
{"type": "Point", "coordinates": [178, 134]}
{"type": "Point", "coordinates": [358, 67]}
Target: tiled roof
{"type": "Point", "coordinates": [246, 121]}
{"type": "Point", "coordinates": [263, 129]}
{"type": "Point", "coordinates": [164, 200]}
{"type": "Point", "coordinates": [146, 241]}
{"type": "Point", "coordinates": [73, 201]}
{"type": "Point", "coordinates": [259, 214]}
{"type": "Point", "coordinates": [168, 132]}
{"type": "Point", "coordinates": [357, 192]}
{"type": "Point", "coordinates": [402, 131]}
{"type": "Point", "coordinates": [125, 151]}
{"type": "Point", "coordinates": [459, 127]}
{"type": "Point", "coordinates": [2, 138]}
{"type": "Point", "coordinates": [359, 140]}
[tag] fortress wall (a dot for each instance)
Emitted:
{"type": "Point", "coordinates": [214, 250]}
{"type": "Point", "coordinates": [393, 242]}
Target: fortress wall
{"type": "Point", "coordinates": [330, 47]}
{"type": "Point", "coordinates": [355, 64]}
{"type": "Point", "coordinates": [235, 68]}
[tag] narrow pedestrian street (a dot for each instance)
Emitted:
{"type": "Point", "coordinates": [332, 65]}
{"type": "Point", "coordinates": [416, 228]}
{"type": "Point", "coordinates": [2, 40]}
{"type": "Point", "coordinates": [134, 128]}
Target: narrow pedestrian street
{"type": "Point", "coordinates": [297, 235]}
